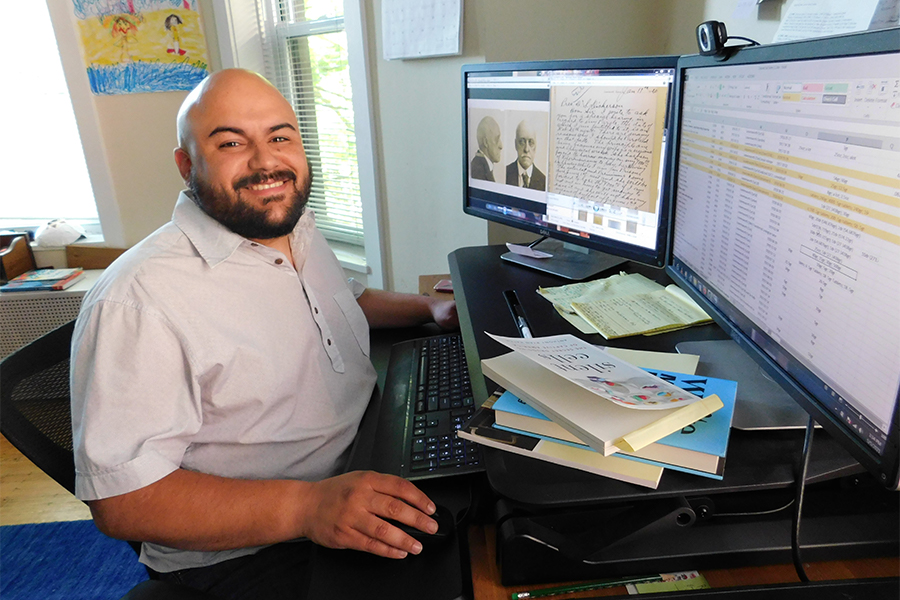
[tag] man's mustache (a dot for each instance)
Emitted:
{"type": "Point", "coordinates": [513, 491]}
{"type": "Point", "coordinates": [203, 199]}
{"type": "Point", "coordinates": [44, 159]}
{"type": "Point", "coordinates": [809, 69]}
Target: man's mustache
{"type": "Point", "coordinates": [260, 178]}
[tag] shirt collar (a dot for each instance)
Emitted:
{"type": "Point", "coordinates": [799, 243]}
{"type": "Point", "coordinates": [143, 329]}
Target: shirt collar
{"type": "Point", "coordinates": [215, 242]}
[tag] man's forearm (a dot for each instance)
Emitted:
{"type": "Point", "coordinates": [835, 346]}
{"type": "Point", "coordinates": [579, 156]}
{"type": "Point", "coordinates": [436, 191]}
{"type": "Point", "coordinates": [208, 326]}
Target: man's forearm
{"type": "Point", "coordinates": [395, 309]}
{"type": "Point", "coordinates": [195, 511]}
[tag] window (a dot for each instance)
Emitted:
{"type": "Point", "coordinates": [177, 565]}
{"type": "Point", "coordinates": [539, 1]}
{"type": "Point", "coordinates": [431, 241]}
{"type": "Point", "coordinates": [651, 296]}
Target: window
{"type": "Point", "coordinates": [306, 57]}
{"type": "Point", "coordinates": [51, 178]}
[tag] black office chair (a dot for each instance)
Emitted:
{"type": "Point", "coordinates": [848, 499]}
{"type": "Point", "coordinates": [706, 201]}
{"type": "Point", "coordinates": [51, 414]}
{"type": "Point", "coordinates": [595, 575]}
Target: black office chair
{"type": "Point", "coordinates": [35, 417]}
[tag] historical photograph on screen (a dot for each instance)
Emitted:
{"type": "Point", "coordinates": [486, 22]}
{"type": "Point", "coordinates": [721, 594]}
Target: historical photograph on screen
{"type": "Point", "coordinates": [528, 150]}
{"type": "Point", "coordinates": [486, 144]}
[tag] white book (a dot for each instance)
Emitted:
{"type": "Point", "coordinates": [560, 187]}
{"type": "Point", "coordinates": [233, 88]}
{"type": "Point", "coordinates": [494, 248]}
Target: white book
{"type": "Point", "coordinates": [480, 430]}
{"type": "Point", "coordinates": [606, 424]}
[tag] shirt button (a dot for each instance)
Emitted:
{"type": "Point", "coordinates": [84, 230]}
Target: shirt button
{"type": "Point", "coordinates": [254, 244]}
{"type": "Point", "coordinates": [278, 261]}
{"type": "Point", "coordinates": [316, 309]}
{"type": "Point", "coordinates": [328, 342]}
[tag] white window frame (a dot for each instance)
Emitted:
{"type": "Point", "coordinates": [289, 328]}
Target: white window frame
{"type": "Point", "coordinates": [65, 28]}
{"type": "Point", "coordinates": [240, 45]}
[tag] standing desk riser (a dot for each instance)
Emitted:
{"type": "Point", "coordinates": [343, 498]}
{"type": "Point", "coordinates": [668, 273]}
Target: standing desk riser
{"type": "Point", "coordinates": [554, 523]}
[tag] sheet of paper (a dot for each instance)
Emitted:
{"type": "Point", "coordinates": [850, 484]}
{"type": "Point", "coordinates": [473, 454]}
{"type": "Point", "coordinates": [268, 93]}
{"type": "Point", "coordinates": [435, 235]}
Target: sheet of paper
{"type": "Point", "coordinates": [664, 361]}
{"type": "Point", "coordinates": [817, 18]}
{"type": "Point", "coordinates": [611, 287]}
{"type": "Point", "coordinates": [526, 251]}
{"type": "Point", "coordinates": [576, 321]}
{"type": "Point", "coordinates": [619, 317]}
{"type": "Point", "coordinates": [600, 372]}
{"type": "Point", "coordinates": [886, 15]}
{"type": "Point", "coordinates": [745, 9]}
{"type": "Point", "coordinates": [421, 28]}
{"type": "Point", "coordinates": [691, 308]}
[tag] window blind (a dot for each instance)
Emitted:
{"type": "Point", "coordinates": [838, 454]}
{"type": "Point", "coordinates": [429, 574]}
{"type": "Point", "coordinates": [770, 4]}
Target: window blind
{"type": "Point", "coordinates": [305, 56]}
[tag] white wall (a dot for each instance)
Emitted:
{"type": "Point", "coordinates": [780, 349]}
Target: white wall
{"type": "Point", "coordinates": [761, 25]}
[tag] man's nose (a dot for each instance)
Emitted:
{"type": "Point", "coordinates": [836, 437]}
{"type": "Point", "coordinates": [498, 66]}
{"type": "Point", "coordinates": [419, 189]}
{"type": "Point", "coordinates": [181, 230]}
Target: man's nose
{"type": "Point", "coordinates": [262, 158]}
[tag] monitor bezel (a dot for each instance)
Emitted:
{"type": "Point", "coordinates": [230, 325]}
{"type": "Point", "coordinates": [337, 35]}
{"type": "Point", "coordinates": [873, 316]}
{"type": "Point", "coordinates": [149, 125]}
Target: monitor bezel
{"type": "Point", "coordinates": [886, 466]}
{"type": "Point", "coordinates": [658, 256]}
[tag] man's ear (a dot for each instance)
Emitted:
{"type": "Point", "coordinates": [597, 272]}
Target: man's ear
{"type": "Point", "coordinates": [183, 160]}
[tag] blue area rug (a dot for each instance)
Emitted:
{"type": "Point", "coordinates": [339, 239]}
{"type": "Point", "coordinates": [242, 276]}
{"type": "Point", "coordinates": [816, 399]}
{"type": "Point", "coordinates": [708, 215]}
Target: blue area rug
{"type": "Point", "coordinates": [71, 560]}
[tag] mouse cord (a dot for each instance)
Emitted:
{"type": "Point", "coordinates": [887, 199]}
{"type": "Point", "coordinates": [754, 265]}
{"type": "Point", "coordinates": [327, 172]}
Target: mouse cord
{"type": "Point", "coordinates": [461, 519]}
{"type": "Point", "coordinates": [798, 502]}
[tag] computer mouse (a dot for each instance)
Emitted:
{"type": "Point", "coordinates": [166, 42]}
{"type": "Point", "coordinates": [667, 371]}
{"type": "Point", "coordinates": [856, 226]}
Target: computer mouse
{"type": "Point", "coordinates": [446, 526]}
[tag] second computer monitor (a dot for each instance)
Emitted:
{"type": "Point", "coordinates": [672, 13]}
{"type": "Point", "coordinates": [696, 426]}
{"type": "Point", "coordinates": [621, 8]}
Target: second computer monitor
{"type": "Point", "coordinates": [787, 222]}
{"type": "Point", "coordinates": [574, 150]}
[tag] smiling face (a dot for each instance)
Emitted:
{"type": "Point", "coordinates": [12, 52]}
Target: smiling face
{"type": "Point", "coordinates": [241, 154]}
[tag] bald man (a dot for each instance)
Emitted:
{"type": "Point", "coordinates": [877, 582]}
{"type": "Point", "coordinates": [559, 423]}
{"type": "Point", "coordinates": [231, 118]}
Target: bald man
{"type": "Point", "coordinates": [522, 172]}
{"type": "Point", "coordinates": [220, 369]}
{"type": "Point", "coordinates": [489, 147]}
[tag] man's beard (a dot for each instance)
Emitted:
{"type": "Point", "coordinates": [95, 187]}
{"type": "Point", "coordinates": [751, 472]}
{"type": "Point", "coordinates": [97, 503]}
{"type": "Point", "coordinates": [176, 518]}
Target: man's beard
{"type": "Point", "coordinates": [238, 215]}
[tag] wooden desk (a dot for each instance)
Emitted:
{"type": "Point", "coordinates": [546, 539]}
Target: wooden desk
{"type": "Point", "coordinates": [427, 283]}
{"type": "Point", "coordinates": [486, 574]}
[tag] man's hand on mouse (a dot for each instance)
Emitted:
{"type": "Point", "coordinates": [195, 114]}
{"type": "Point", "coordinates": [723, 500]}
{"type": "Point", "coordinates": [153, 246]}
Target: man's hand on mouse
{"type": "Point", "coordinates": [349, 511]}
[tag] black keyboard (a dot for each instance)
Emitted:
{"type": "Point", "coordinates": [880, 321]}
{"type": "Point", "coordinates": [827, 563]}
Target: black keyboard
{"type": "Point", "coordinates": [426, 398]}
{"type": "Point", "coordinates": [443, 403]}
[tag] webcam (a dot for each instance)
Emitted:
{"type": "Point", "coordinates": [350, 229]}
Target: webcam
{"type": "Point", "coordinates": [711, 37]}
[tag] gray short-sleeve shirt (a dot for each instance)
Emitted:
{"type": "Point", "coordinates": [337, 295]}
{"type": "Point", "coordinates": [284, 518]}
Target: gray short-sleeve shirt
{"type": "Point", "coordinates": [199, 349]}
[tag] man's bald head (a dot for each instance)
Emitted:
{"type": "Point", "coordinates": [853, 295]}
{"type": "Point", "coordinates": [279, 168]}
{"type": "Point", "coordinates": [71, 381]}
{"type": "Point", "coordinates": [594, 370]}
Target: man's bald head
{"type": "Point", "coordinates": [200, 99]}
{"type": "Point", "coordinates": [488, 136]}
{"type": "Point", "coordinates": [241, 154]}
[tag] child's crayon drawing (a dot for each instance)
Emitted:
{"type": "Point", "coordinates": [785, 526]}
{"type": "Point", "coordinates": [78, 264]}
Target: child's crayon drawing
{"type": "Point", "coordinates": [134, 46]}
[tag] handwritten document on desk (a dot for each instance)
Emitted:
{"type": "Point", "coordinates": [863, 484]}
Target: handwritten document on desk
{"type": "Point", "coordinates": [653, 312]}
{"type": "Point", "coordinates": [627, 304]}
{"type": "Point", "coordinates": [604, 144]}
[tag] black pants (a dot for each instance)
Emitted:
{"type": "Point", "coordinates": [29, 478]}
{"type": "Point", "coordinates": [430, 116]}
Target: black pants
{"type": "Point", "coordinates": [274, 573]}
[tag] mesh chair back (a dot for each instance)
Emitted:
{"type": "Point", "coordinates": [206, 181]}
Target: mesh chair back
{"type": "Point", "coordinates": [34, 404]}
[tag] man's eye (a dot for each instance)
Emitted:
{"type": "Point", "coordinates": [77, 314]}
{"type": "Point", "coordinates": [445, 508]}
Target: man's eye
{"type": "Point", "coordinates": [280, 138]}
{"type": "Point", "coordinates": [229, 145]}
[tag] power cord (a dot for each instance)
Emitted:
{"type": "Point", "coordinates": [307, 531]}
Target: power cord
{"type": "Point", "coordinates": [798, 501]}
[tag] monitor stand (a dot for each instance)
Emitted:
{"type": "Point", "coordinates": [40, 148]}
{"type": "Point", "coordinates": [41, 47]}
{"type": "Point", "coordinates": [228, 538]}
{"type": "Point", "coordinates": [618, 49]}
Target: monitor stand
{"type": "Point", "coordinates": [761, 403]}
{"type": "Point", "coordinates": [568, 261]}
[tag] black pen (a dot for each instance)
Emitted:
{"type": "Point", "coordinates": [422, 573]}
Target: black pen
{"type": "Point", "coordinates": [512, 300]}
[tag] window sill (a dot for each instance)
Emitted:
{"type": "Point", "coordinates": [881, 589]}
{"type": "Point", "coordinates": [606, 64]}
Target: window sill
{"type": "Point", "coordinates": [352, 258]}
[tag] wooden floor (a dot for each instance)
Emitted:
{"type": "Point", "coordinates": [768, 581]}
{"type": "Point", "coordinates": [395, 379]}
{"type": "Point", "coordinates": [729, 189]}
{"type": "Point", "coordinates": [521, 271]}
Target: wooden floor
{"type": "Point", "coordinates": [27, 495]}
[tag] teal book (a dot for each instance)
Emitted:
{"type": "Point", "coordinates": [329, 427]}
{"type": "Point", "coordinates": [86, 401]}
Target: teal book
{"type": "Point", "coordinates": [699, 448]}
{"type": "Point", "coordinates": [43, 280]}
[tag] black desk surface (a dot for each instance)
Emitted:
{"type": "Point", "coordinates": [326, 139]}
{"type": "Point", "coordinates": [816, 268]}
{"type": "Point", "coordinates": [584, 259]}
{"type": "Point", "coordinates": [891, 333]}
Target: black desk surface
{"type": "Point", "coordinates": [756, 460]}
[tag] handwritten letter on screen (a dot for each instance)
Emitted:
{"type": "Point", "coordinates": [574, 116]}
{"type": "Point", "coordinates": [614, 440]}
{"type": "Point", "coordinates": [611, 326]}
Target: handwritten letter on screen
{"type": "Point", "coordinates": [603, 147]}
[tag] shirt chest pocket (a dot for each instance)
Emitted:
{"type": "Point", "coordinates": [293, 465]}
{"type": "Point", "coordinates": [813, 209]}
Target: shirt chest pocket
{"type": "Point", "coordinates": [355, 317]}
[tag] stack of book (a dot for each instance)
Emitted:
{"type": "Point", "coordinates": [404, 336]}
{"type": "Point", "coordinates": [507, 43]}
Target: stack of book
{"type": "Point", "coordinates": [43, 279]}
{"type": "Point", "coordinates": [573, 404]}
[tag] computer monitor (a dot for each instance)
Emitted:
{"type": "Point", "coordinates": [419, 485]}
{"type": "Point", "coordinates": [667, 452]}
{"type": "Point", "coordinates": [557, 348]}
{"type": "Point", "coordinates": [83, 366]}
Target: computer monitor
{"type": "Point", "coordinates": [573, 150]}
{"type": "Point", "coordinates": [786, 227]}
